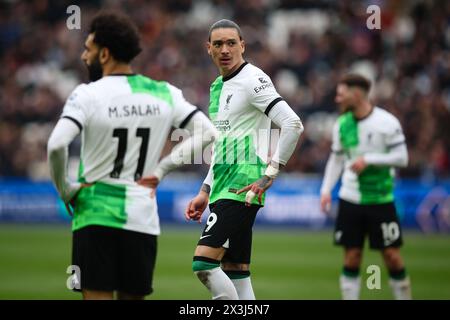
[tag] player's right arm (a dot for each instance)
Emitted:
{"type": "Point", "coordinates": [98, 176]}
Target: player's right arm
{"type": "Point", "coordinates": [333, 170]}
{"type": "Point", "coordinates": [57, 149]}
{"type": "Point", "coordinates": [197, 206]}
{"type": "Point", "coordinates": [73, 118]}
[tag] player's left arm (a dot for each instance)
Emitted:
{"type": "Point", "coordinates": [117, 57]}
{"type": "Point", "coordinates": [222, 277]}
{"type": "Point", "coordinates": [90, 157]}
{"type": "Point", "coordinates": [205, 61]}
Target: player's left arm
{"type": "Point", "coordinates": [270, 102]}
{"type": "Point", "coordinates": [291, 129]}
{"type": "Point", "coordinates": [201, 134]}
{"type": "Point", "coordinates": [396, 154]}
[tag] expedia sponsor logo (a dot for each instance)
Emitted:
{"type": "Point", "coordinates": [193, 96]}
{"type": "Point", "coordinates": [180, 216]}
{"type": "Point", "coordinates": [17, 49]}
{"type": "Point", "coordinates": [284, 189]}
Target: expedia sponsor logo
{"type": "Point", "coordinates": [263, 87]}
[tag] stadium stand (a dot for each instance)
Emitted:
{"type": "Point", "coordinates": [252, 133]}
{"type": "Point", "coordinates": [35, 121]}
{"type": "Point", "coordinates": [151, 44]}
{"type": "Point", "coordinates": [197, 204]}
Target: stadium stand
{"type": "Point", "coordinates": [303, 45]}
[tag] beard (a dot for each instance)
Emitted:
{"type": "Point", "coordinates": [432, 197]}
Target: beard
{"type": "Point", "coordinates": [95, 69]}
{"type": "Point", "coordinates": [345, 107]}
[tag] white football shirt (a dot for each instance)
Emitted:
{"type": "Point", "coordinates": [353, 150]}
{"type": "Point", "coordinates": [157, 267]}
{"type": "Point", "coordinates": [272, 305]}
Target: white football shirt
{"type": "Point", "coordinates": [377, 133]}
{"type": "Point", "coordinates": [239, 107]}
{"type": "Point", "coordinates": [124, 122]}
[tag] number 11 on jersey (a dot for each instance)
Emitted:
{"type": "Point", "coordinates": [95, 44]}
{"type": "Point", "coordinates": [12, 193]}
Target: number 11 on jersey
{"type": "Point", "coordinates": [122, 135]}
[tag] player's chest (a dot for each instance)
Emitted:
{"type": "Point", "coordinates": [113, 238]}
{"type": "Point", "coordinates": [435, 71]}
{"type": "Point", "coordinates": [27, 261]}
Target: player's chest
{"type": "Point", "coordinates": [371, 137]}
{"type": "Point", "coordinates": [233, 102]}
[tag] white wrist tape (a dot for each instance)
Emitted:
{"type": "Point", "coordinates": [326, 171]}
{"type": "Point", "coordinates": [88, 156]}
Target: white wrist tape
{"type": "Point", "coordinates": [159, 173]}
{"type": "Point", "coordinates": [249, 196]}
{"type": "Point", "coordinates": [271, 172]}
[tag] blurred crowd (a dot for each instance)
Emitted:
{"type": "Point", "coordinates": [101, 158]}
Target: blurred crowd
{"type": "Point", "coordinates": [305, 46]}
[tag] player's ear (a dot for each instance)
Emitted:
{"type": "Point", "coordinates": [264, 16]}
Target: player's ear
{"type": "Point", "coordinates": [208, 47]}
{"type": "Point", "coordinates": [104, 55]}
{"type": "Point", "coordinates": [242, 46]}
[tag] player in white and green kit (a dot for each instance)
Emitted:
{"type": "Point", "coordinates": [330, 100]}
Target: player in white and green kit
{"type": "Point", "coordinates": [368, 142]}
{"type": "Point", "coordinates": [124, 120]}
{"type": "Point", "coordinates": [243, 103]}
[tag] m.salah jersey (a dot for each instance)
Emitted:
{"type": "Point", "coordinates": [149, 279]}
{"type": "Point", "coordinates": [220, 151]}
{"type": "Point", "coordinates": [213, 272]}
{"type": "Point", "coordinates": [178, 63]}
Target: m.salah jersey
{"type": "Point", "coordinates": [124, 122]}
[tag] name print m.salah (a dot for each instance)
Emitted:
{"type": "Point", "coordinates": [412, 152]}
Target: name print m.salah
{"type": "Point", "coordinates": [134, 111]}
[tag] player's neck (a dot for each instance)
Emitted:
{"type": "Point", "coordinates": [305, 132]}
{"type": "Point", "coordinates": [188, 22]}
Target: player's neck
{"type": "Point", "coordinates": [363, 111]}
{"type": "Point", "coordinates": [116, 68]}
{"type": "Point", "coordinates": [226, 73]}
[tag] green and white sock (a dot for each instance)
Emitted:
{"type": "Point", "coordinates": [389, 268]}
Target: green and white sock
{"type": "Point", "coordinates": [214, 279]}
{"type": "Point", "coordinates": [400, 285]}
{"type": "Point", "coordinates": [243, 284]}
{"type": "Point", "coordinates": [350, 284]}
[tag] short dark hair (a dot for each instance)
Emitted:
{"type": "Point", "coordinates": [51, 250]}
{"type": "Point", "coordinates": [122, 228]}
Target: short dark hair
{"type": "Point", "coordinates": [356, 80]}
{"type": "Point", "coordinates": [225, 23]}
{"type": "Point", "coordinates": [118, 33]}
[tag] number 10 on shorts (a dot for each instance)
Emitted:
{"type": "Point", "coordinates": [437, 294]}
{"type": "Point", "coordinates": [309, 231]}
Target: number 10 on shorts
{"type": "Point", "coordinates": [391, 232]}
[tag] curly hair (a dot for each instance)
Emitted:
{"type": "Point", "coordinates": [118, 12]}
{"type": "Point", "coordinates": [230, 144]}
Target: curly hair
{"type": "Point", "coordinates": [118, 33]}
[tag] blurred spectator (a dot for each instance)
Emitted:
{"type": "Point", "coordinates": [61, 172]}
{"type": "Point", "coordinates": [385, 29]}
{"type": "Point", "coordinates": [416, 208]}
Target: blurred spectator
{"type": "Point", "coordinates": [305, 46]}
